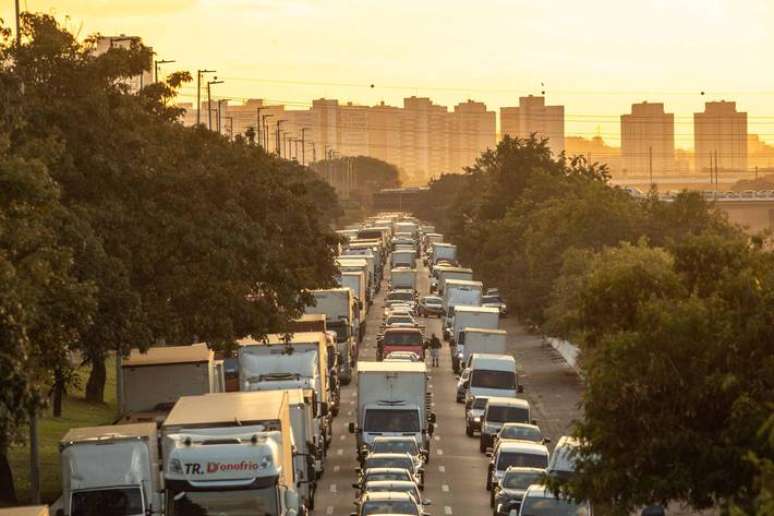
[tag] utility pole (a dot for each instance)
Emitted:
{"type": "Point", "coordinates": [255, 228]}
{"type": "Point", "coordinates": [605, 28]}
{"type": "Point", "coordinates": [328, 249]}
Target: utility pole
{"type": "Point", "coordinates": [295, 143]}
{"type": "Point", "coordinates": [220, 116]}
{"type": "Point", "coordinates": [279, 150]}
{"type": "Point", "coordinates": [230, 128]}
{"type": "Point", "coordinates": [314, 153]}
{"type": "Point", "coordinates": [199, 74]}
{"type": "Point", "coordinates": [257, 127]}
{"type": "Point", "coordinates": [18, 24]}
{"type": "Point", "coordinates": [209, 101]}
{"type": "Point", "coordinates": [650, 165]}
{"type": "Point", "coordinates": [303, 146]}
{"type": "Point", "coordinates": [156, 68]}
{"type": "Point", "coordinates": [266, 132]}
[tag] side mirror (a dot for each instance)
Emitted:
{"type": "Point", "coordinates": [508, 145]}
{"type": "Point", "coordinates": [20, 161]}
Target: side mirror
{"type": "Point", "coordinates": [520, 389]}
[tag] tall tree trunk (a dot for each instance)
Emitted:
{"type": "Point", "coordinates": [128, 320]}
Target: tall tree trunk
{"type": "Point", "coordinates": [7, 491]}
{"type": "Point", "coordinates": [58, 394]}
{"type": "Point", "coordinates": [95, 386]}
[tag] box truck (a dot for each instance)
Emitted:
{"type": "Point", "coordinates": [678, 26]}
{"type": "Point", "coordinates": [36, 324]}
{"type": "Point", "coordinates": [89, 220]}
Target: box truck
{"type": "Point", "coordinates": [230, 453]}
{"type": "Point", "coordinates": [111, 470]}
{"type": "Point", "coordinates": [480, 340]}
{"type": "Point", "coordinates": [443, 251]}
{"type": "Point", "coordinates": [392, 399]}
{"type": "Point", "coordinates": [403, 258]}
{"type": "Point", "coordinates": [357, 282]}
{"type": "Point", "coordinates": [153, 380]}
{"type": "Point", "coordinates": [340, 309]}
{"type": "Point", "coordinates": [403, 277]}
{"type": "Point", "coordinates": [442, 273]}
{"type": "Point", "coordinates": [357, 264]}
{"type": "Point", "coordinates": [307, 457]}
{"type": "Point", "coordinates": [459, 292]}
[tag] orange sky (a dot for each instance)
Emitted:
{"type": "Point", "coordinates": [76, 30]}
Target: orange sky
{"type": "Point", "coordinates": [596, 57]}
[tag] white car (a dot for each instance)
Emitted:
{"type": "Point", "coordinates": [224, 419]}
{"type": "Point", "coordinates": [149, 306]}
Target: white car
{"type": "Point", "coordinates": [520, 454]}
{"type": "Point", "coordinates": [397, 486]}
{"type": "Point", "coordinates": [372, 504]}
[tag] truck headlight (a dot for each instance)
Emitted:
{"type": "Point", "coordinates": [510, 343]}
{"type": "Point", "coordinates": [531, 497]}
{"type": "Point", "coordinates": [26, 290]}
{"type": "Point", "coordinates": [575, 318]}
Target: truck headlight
{"type": "Point", "coordinates": [477, 419]}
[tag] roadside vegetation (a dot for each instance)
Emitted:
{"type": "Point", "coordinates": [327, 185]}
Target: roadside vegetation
{"type": "Point", "coordinates": [672, 307]}
{"type": "Point", "coordinates": [120, 228]}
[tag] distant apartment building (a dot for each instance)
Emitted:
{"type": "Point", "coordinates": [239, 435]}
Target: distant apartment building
{"type": "Point", "coordinates": [532, 116]}
{"type": "Point", "coordinates": [720, 137]}
{"type": "Point", "coordinates": [595, 150]}
{"type": "Point", "coordinates": [137, 82]}
{"type": "Point", "coordinates": [759, 153]}
{"type": "Point", "coordinates": [472, 130]}
{"type": "Point", "coordinates": [353, 136]}
{"type": "Point", "coordinates": [424, 141]}
{"type": "Point", "coordinates": [384, 133]}
{"type": "Point", "coordinates": [648, 140]}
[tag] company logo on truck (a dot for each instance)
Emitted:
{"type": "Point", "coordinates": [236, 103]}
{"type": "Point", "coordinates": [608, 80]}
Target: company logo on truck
{"type": "Point", "coordinates": [209, 468]}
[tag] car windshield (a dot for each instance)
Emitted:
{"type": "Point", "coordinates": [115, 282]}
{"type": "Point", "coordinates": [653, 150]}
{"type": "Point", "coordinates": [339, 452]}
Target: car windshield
{"type": "Point", "coordinates": [507, 414]}
{"type": "Point", "coordinates": [403, 462]}
{"type": "Point", "coordinates": [524, 433]}
{"type": "Point", "coordinates": [395, 319]}
{"type": "Point", "coordinates": [247, 502]}
{"type": "Point", "coordinates": [407, 338]}
{"type": "Point", "coordinates": [521, 460]}
{"type": "Point", "coordinates": [390, 507]}
{"type": "Point", "coordinates": [487, 379]}
{"type": "Point", "coordinates": [409, 488]}
{"type": "Point", "coordinates": [552, 507]}
{"type": "Point", "coordinates": [389, 475]}
{"type": "Point", "coordinates": [400, 296]}
{"type": "Point", "coordinates": [402, 446]}
{"type": "Point", "coordinates": [119, 502]}
{"type": "Point", "coordinates": [381, 420]}
{"type": "Point", "coordinates": [521, 480]}
{"type": "Point", "coordinates": [432, 301]}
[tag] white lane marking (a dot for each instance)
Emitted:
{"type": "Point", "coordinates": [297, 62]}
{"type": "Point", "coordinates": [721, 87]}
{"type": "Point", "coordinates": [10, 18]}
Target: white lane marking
{"type": "Point", "coordinates": [437, 437]}
{"type": "Point", "coordinates": [339, 452]}
{"type": "Point", "coordinates": [351, 402]}
{"type": "Point", "coordinates": [439, 451]}
{"type": "Point", "coordinates": [442, 469]}
{"type": "Point", "coordinates": [333, 488]}
{"type": "Point", "coordinates": [329, 510]}
{"type": "Point", "coordinates": [447, 510]}
{"type": "Point", "coordinates": [342, 437]}
{"type": "Point", "coordinates": [349, 413]}
{"type": "Point", "coordinates": [336, 469]}
{"type": "Point", "coordinates": [445, 488]}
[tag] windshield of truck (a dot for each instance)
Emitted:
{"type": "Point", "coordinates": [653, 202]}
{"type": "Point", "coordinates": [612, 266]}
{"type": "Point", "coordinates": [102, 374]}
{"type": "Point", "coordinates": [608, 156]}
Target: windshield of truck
{"type": "Point", "coordinates": [400, 296]}
{"type": "Point", "coordinates": [380, 420]}
{"type": "Point", "coordinates": [553, 507]}
{"type": "Point", "coordinates": [247, 502]}
{"type": "Point", "coordinates": [397, 338]}
{"type": "Point", "coordinates": [119, 502]}
{"type": "Point", "coordinates": [390, 507]}
{"type": "Point", "coordinates": [521, 480]}
{"type": "Point", "coordinates": [490, 299]}
{"type": "Point", "coordinates": [507, 414]}
{"type": "Point", "coordinates": [402, 446]}
{"type": "Point", "coordinates": [487, 379]}
{"type": "Point", "coordinates": [521, 460]}
{"type": "Point", "coordinates": [403, 462]}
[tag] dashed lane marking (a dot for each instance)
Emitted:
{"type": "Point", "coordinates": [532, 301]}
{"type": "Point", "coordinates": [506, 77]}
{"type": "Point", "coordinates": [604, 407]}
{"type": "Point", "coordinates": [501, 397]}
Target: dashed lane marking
{"type": "Point", "coordinates": [439, 451]}
{"type": "Point", "coordinates": [339, 452]}
{"type": "Point", "coordinates": [333, 488]}
{"type": "Point", "coordinates": [329, 510]}
{"type": "Point", "coordinates": [442, 469]}
{"type": "Point", "coordinates": [447, 510]}
{"type": "Point", "coordinates": [336, 469]}
{"type": "Point", "coordinates": [445, 488]}
{"type": "Point", "coordinates": [437, 437]}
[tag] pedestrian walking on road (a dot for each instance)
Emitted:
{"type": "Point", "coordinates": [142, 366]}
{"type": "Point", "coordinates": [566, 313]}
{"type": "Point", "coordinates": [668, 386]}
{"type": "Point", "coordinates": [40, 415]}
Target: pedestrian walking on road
{"type": "Point", "coordinates": [435, 349]}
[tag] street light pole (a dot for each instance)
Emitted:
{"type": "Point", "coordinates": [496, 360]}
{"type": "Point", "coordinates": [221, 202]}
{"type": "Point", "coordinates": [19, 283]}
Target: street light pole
{"type": "Point", "coordinates": [156, 67]}
{"type": "Point", "coordinates": [279, 150]}
{"type": "Point", "coordinates": [220, 101]}
{"type": "Point", "coordinates": [257, 127]}
{"type": "Point", "coordinates": [209, 101]}
{"type": "Point", "coordinates": [230, 128]}
{"type": "Point", "coordinates": [266, 132]}
{"type": "Point", "coordinates": [303, 146]}
{"type": "Point", "coordinates": [199, 74]}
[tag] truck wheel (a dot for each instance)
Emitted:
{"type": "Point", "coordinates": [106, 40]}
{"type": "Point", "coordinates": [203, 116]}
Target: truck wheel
{"type": "Point", "coordinates": [469, 430]}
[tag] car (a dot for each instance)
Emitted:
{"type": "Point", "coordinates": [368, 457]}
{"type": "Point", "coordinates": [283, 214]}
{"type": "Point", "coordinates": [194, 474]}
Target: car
{"type": "Point", "coordinates": [395, 319]}
{"type": "Point", "coordinates": [474, 412]}
{"type": "Point", "coordinates": [498, 412]}
{"type": "Point", "coordinates": [514, 453]}
{"type": "Point", "coordinates": [392, 503]}
{"type": "Point", "coordinates": [538, 499]}
{"type": "Point", "coordinates": [520, 432]}
{"type": "Point", "coordinates": [402, 294]}
{"type": "Point", "coordinates": [397, 308]}
{"type": "Point", "coordinates": [562, 464]}
{"type": "Point", "coordinates": [394, 460]}
{"type": "Point", "coordinates": [373, 474]}
{"type": "Point", "coordinates": [430, 305]}
{"type": "Point", "coordinates": [396, 486]}
{"type": "Point", "coordinates": [509, 490]}
{"type": "Point", "coordinates": [400, 444]}
{"type": "Point", "coordinates": [401, 356]}
{"type": "Point", "coordinates": [462, 385]}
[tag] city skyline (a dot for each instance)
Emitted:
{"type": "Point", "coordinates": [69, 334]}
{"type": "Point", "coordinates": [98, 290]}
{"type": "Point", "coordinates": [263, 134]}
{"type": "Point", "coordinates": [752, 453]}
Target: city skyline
{"type": "Point", "coordinates": [494, 64]}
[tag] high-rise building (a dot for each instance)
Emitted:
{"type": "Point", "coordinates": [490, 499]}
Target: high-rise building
{"type": "Point", "coordinates": [534, 117]}
{"type": "Point", "coordinates": [648, 140]}
{"type": "Point", "coordinates": [325, 125]}
{"type": "Point", "coordinates": [720, 137]}
{"type": "Point", "coordinates": [424, 141]}
{"type": "Point", "coordinates": [595, 150]}
{"type": "Point", "coordinates": [136, 82]}
{"type": "Point", "coordinates": [384, 136]}
{"type": "Point", "coordinates": [353, 135]}
{"type": "Point", "coordinates": [472, 130]}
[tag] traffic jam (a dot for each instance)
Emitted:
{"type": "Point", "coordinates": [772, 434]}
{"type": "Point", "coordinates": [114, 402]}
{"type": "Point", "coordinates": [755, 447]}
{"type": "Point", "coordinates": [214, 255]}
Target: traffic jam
{"type": "Point", "coordinates": [251, 433]}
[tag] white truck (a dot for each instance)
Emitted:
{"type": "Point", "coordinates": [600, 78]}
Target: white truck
{"type": "Point", "coordinates": [444, 251]}
{"type": "Point", "coordinates": [403, 258]}
{"type": "Point", "coordinates": [480, 340]}
{"type": "Point", "coordinates": [403, 277]}
{"type": "Point", "coordinates": [342, 316]}
{"type": "Point", "coordinates": [230, 453]}
{"type": "Point", "coordinates": [111, 469]}
{"type": "Point", "coordinates": [306, 458]}
{"type": "Point", "coordinates": [459, 292]}
{"type": "Point", "coordinates": [358, 264]}
{"type": "Point", "coordinates": [153, 380]}
{"type": "Point", "coordinates": [443, 273]}
{"type": "Point", "coordinates": [392, 399]}
{"type": "Point", "coordinates": [357, 282]}
{"type": "Point", "coordinates": [298, 363]}
{"type": "Point", "coordinates": [469, 317]}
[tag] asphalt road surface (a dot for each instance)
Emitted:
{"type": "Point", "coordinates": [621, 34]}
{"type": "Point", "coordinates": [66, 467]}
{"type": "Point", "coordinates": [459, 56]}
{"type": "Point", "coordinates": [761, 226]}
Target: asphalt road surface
{"type": "Point", "coordinates": [455, 477]}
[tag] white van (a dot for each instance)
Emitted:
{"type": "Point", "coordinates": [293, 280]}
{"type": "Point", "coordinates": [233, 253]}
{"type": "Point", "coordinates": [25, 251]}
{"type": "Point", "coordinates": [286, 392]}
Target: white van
{"type": "Point", "coordinates": [492, 375]}
{"type": "Point", "coordinates": [500, 411]}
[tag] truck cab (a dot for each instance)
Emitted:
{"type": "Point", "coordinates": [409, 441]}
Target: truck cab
{"type": "Point", "coordinates": [401, 339]}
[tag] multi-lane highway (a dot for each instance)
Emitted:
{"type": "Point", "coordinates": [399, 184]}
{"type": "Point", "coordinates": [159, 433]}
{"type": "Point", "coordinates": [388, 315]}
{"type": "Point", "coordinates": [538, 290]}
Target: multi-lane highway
{"type": "Point", "coordinates": [456, 474]}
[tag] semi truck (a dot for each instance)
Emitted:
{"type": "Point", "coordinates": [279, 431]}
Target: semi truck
{"type": "Point", "coordinates": [230, 453]}
{"type": "Point", "coordinates": [403, 277]}
{"type": "Point", "coordinates": [154, 379]}
{"type": "Point", "coordinates": [341, 315]}
{"type": "Point", "coordinates": [392, 400]}
{"type": "Point", "coordinates": [111, 470]}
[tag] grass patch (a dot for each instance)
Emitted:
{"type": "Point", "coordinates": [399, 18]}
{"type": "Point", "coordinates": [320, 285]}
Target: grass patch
{"type": "Point", "coordinates": [76, 412]}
